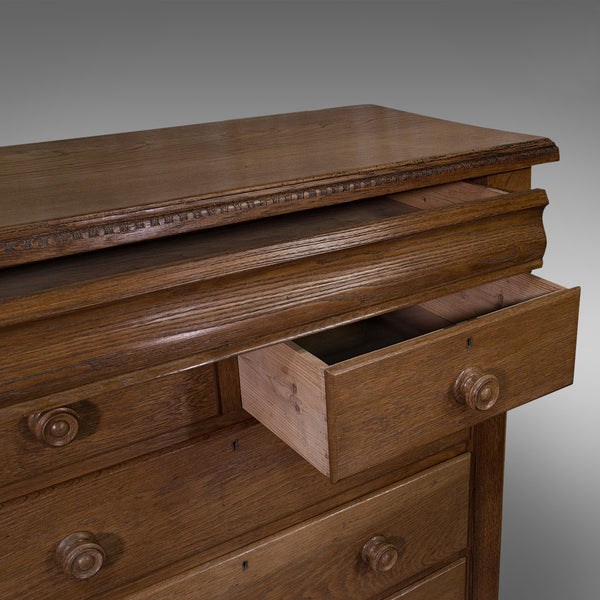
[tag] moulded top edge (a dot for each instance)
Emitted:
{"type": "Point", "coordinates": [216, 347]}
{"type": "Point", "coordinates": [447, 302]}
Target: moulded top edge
{"type": "Point", "coordinates": [70, 196]}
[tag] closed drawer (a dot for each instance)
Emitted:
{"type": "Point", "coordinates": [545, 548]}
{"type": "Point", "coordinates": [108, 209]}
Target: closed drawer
{"type": "Point", "coordinates": [352, 397]}
{"type": "Point", "coordinates": [49, 434]}
{"type": "Point", "coordinates": [420, 522]}
{"type": "Point", "coordinates": [192, 503]}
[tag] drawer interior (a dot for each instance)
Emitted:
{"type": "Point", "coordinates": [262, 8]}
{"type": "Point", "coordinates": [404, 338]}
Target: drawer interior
{"type": "Point", "coordinates": [355, 339]}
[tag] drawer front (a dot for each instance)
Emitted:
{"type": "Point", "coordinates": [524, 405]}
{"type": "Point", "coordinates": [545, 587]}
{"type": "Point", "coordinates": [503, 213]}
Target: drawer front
{"type": "Point", "coordinates": [461, 359]}
{"type": "Point", "coordinates": [447, 584]}
{"type": "Point", "coordinates": [41, 436]}
{"type": "Point", "coordinates": [421, 522]}
{"type": "Point", "coordinates": [193, 502]}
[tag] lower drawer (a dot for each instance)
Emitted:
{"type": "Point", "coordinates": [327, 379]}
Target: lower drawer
{"type": "Point", "coordinates": [355, 552]}
{"type": "Point", "coordinates": [191, 503]}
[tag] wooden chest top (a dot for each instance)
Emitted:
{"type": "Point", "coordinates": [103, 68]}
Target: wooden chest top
{"type": "Point", "coordinates": [70, 196]}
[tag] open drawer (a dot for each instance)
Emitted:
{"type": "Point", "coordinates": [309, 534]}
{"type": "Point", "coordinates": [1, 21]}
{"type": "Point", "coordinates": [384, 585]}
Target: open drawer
{"type": "Point", "coordinates": [352, 397]}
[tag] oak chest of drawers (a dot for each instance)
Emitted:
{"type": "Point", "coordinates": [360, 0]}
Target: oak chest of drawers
{"type": "Point", "coordinates": [269, 357]}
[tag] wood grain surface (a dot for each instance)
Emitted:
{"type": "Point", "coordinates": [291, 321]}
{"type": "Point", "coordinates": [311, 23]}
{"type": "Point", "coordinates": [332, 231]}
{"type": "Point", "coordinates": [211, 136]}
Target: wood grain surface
{"type": "Point", "coordinates": [446, 584]}
{"type": "Point", "coordinates": [488, 482]}
{"type": "Point", "coordinates": [41, 290]}
{"type": "Point", "coordinates": [71, 196]}
{"type": "Point", "coordinates": [382, 399]}
{"type": "Point", "coordinates": [283, 386]}
{"type": "Point", "coordinates": [222, 316]}
{"type": "Point", "coordinates": [182, 491]}
{"type": "Point", "coordinates": [320, 559]}
{"type": "Point", "coordinates": [390, 400]}
{"type": "Point", "coordinates": [107, 422]}
{"type": "Point", "coordinates": [511, 181]}
{"type": "Point", "coordinates": [190, 503]}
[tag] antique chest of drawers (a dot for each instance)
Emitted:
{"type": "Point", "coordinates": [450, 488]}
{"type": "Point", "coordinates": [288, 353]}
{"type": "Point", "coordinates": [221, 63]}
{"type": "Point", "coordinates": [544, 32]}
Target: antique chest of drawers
{"type": "Point", "coordinates": [269, 357]}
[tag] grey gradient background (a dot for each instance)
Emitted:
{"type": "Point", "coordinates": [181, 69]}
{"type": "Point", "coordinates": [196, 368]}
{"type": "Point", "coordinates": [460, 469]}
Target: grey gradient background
{"type": "Point", "coordinates": [86, 68]}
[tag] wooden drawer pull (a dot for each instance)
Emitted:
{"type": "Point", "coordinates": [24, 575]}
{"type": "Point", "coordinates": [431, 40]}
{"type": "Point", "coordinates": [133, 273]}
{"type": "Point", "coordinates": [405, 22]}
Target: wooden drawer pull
{"type": "Point", "coordinates": [379, 554]}
{"type": "Point", "coordinates": [79, 555]}
{"type": "Point", "coordinates": [55, 427]}
{"type": "Point", "coordinates": [476, 389]}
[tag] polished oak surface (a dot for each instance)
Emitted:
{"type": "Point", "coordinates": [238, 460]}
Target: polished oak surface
{"type": "Point", "coordinates": [198, 500]}
{"type": "Point", "coordinates": [128, 461]}
{"type": "Point", "coordinates": [46, 436]}
{"type": "Point", "coordinates": [321, 558]}
{"type": "Point", "coordinates": [352, 397]}
{"type": "Point", "coordinates": [73, 282]}
{"type": "Point", "coordinates": [447, 584]}
{"type": "Point", "coordinates": [238, 300]}
{"type": "Point", "coordinates": [70, 196]}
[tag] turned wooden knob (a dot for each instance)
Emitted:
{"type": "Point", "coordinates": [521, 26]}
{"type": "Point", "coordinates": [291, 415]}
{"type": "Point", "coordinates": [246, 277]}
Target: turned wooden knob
{"type": "Point", "coordinates": [476, 389]}
{"type": "Point", "coordinates": [55, 427]}
{"type": "Point", "coordinates": [379, 554]}
{"type": "Point", "coordinates": [79, 555]}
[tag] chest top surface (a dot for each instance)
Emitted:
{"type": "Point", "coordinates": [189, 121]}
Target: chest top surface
{"type": "Point", "coordinates": [69, 196]}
